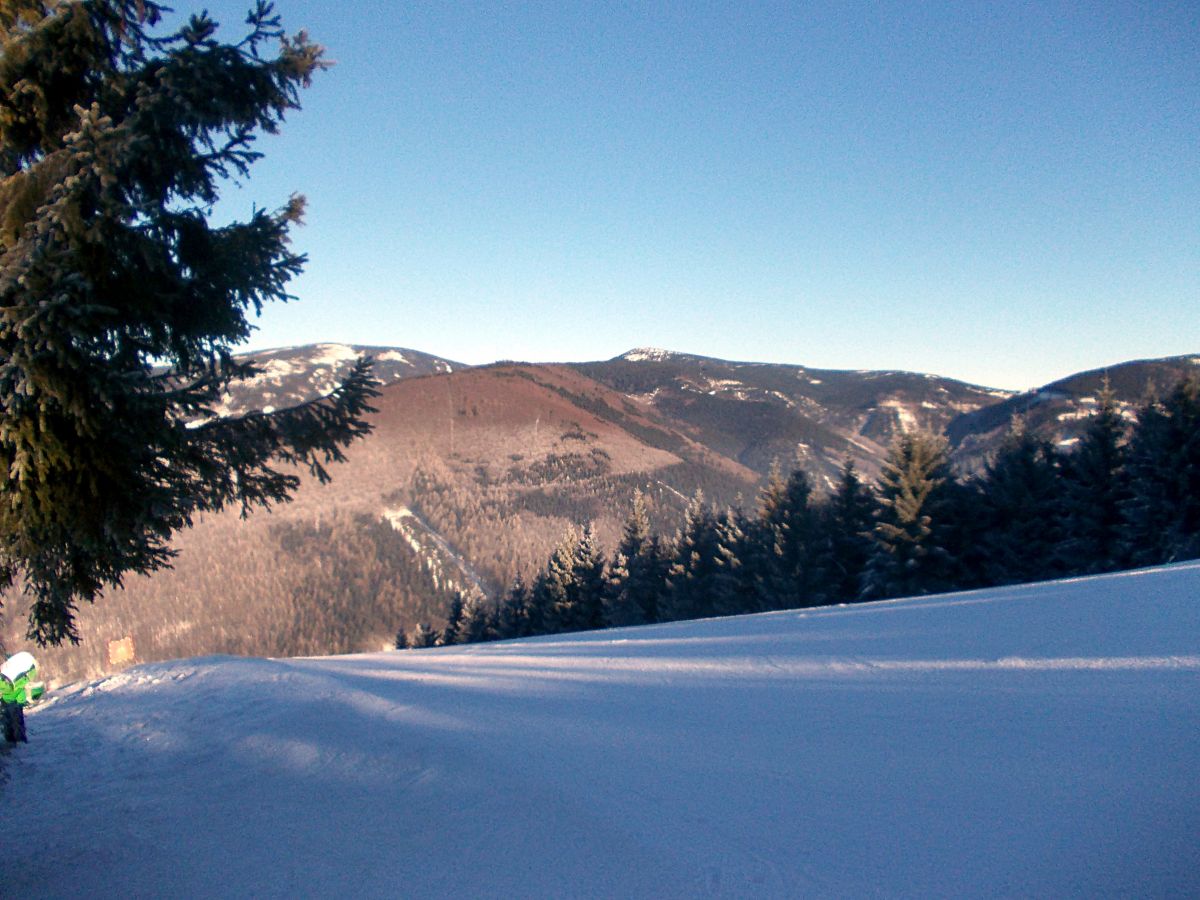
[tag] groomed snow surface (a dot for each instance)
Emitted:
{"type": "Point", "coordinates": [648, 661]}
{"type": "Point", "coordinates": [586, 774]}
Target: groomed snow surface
{"type": "Point", "coordinates": [1039, 740]}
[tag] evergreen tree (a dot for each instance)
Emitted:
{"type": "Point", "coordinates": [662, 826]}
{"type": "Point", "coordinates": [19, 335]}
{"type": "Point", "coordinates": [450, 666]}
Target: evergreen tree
{"type": "Point", "coordinates": [512, 617]}
{"type": "Point", "coordinates": [475, 621]}
{"type": "Point", "coordinates": [401, 639]}
{"type": "Point", "coordinates": [536, 614]}
{"type": "Point", "coordinates": [784, 570]}
{"type": "Point", "coordinates": [573, 583]}
{"type": "Point", "coordinates": [621, 607]}
{"type": "Point", "coordinates": [962, 534]}
{"type": "Point", "coordinates": [910, 555]}
{"type": "Point", "coordinates": [733, 589]}
{"type": "Point", "coordinates": [422, 636]}
{"type": "Point", "coordinates": [689, 581]}
{"type": "Point", "coordinates": [635, 578]}
{"type": "Point", "coordinates": [763, 546]}
{"type": "Point", "coordinates": [1096, 491]}
{"type": "Point", "coordinates": [122, 301]}
{"type": "Point", "coordinates": [659, 558]}
{"type": "Point", "coordinates": [551, 603]}
{"type": "Point", "coordinates": [846, 521]}
{"type": "Point", "coordinates": [587, 585]}
{"type": "Point", "coordinates": [1162, 511]}
{"type": "Point", "coordinates": [1020, 507]}
{"type": "Point", "coordinates": [491, 631]}
{"type": "Point", "coordinates": [454, 615]}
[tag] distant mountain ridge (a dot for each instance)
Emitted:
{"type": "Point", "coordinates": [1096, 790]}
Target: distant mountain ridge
{"type": "Point", "coordinates": [759, 413]}
{"type": "Point", "coordinates": [1059, 411]}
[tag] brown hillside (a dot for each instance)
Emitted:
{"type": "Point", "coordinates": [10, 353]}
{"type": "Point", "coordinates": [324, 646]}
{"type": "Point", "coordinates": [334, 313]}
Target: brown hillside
{"type": "Point", "coordinates": [468, 478]}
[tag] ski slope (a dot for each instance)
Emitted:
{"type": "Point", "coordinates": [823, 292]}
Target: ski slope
{"type": "Point", "coordinates": [1037, 740]}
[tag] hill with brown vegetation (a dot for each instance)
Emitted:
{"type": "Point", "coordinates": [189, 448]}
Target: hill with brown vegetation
{"type": "Point", "coordinates": [468, 478]}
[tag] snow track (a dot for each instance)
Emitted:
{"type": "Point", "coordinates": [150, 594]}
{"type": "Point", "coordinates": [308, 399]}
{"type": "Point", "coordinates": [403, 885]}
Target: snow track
{"type": "Point", "coordinates": [438, 558]}
{"type": "Point", "coordinates": [1034, 740]}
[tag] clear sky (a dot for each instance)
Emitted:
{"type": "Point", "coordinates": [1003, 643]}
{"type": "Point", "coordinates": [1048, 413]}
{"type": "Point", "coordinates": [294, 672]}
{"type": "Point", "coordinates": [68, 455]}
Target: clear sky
{"type": "Point", "coordinates": [1000, 192]}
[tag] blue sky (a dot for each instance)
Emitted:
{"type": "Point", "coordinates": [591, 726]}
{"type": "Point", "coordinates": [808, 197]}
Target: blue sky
{"type": "Point", "coordinates": [1000, 192]}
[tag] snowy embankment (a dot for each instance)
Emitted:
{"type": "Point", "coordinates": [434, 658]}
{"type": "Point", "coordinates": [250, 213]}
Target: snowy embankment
{"type": "Point", "coordinates": [1033, 740]}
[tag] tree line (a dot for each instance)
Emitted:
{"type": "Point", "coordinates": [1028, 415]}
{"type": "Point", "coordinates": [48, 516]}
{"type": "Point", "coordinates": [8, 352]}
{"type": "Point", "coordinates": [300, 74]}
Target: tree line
{"type": "Point", "coordinates": [1127, 494]}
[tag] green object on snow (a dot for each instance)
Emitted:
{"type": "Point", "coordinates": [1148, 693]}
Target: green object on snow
{"type": "Point", "coordinates": [18, 680]}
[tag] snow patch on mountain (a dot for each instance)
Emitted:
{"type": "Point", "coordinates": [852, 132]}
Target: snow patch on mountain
{"type": "Point", "coordinates": [903, 413]}
{"type": "Point", "coordinates": [647, 354]}
{"type": "Point", "coordinates": [333, 354]}
{"type": "Point", "coordinates": [786, 400]}
{"type": "Point", "coordinates": [448, 569]}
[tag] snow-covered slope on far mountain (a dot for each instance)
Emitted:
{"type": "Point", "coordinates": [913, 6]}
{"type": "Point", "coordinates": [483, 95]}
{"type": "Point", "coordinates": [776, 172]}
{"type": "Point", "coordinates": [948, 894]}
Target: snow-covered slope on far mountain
{"type": "Point", "coordinates": [292, 375]}
{"type": "Point", "coordinates": [1036, 740]}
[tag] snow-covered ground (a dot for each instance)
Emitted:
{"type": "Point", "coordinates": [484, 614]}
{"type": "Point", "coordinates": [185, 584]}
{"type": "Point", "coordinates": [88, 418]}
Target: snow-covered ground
{"type": "Point", "coordinates": [1040, 740]}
